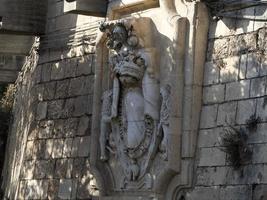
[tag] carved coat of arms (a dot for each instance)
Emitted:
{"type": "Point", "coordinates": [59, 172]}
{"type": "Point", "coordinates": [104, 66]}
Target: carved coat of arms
{"type": "Point", "coordinates": [135, 112]}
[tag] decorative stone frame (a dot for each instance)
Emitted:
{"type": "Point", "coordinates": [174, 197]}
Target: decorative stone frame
{"type": "Point", "coordinates": [187, 79]}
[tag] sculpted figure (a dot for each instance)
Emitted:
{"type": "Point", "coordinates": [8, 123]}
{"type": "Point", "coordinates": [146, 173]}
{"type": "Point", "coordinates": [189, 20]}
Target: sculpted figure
{"type": "Point", "coordinates": [132, 110]}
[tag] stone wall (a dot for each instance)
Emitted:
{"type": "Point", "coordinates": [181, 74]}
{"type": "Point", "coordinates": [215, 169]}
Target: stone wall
{"type": "Point", "coordinates": [48, 150]}
{"type": "Point", "coordinates": [234, 90]}
{"type": "Point", "coordinates": [49, 143]}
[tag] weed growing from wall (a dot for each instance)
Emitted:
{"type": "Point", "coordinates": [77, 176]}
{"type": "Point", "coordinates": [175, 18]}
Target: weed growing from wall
{"type": "Point", "coordinates": [235, 145]}
{"type": "Point", "coordinates": [235, 142]}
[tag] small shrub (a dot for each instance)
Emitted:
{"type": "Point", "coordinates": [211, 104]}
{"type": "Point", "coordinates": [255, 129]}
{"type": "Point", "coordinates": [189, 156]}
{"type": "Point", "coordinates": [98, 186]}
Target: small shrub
{"type": "Point", "coordinates": [235, 142]}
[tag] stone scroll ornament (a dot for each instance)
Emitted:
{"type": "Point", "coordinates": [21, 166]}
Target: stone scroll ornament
{"type": "Point", "coordinates": [135, 112]}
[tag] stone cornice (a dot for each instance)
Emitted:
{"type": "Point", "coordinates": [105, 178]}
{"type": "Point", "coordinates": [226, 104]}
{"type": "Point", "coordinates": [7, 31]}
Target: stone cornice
{"type": "Point", "coordinates": [221, 6]}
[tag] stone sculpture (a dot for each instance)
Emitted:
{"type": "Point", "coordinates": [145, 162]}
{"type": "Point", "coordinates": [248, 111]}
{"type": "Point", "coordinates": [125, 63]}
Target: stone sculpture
{"type": "Point", "coordinates": [135, 113]}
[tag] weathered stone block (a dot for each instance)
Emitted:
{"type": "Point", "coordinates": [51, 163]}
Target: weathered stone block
{"type": "Point", "coordinates": [208, 116]}
{"type": "Point", "coordinates": [41, 110]}
{"type": "Point", "coordinates": [211, 157]}
{"type": "Point", "coordinates": [65, 188]}
{"type": "Point", "coordinates": [93, 8]}
{"type": "Point", "coordinates": [245, 109]}
{"type": "Point", "coordinates": [258, 155]}
{"type": "Point", "coordinates": [226, 113]}
{"type": "Point", "coordinates": [212, 73]}
{"type": "Point", "coordinates": [260, 135]}
{"type": "Point", "coordinates": [78, 86]}
{"type": "Point", "coordinates": [84, 126]}
{"type": "Point", "coordinates": [71, 127]}
{"type": "Point", "coordinates": [262, 108]}
{"type": "Point", "coordinates": [209, 137]}
{"type": "Point", "coordinates": [41, 149]}
{"type": "Point", "coordinates": [235, 192]}
{"type": "Point", "coordinates": [55, 109]}
{"type": "Point", "coordinates": [229, 69]}
{"type": "Point", "coordinates": [204, 193]}
{"type": "Point", "coordinates": [84, 147]}
{"type": "Point", "coordinates": [256, 174]}
{"type": "Point", "coordinates": [68, 108]}
{"type": "Point", "coordinates": [70, 68]}
{"type": "Point", "coordinates": [49, 148]}
{"type": "Point", "coordinates": [58, 148]}
{"type": "Point", "coordinates": [63, 168]}
{"type": "Point", "coordinates": [213, 94]}
{"type": "Point", "coordinates": [52, 191]}
{"type": "Point", "coordinates": [260, 192]}
{"type": "Point", "coordinates": [38, 92]}
{"type": "Point", "coordinates": [46, 128]}
{"type": "Point", "coordinates": [49, 90]}
{"type": "Point", "coordinates": [27, 169]}
{"type": "Point", "coordinates": [253, 65]}
{"type": "Point", "coordinates": [62, 89]}
{"type": "Point", "coordinates": [46, 72]}
{"type": "Point", "coordinates": [36, 189]}
{"type": "Point", "coordinates": [211, 176]}
{"type": "Point", "coordinates": [77, 169]}
{"type": "Point", "coordinates": [74, 188]}
{"type": "Point", "coordinates": [38, 74]}
{"type": "Point", "coordinates": [263, 66]}
{"type": "Point", "coordinates": [59, 129]}
{"type": "Point", "coordinates": [44, 169]}
{"type": "Point", "coordinates": [55, 55]}
{"type": "Point", "coordinates": [243, 66]}
{"type": "Point", "coordinates": [81, 105]}
{"type": "Point", "coordinates": [84, 65]}
{"type": "Point", "coordinates": [243, 43]}
{"type": "Point", "coordinates": [67, 149]}
{"type": "Point", "coordinates": [237, 90]}
{"type": "Point", "coordinates": [29, 152]}
{"type": "Point", "coordinates": [258, 87]}
{"type": "Point", "coordinates": [57, 70]}
{"type": "Point", "coordinates": [75, 147]}
{"type": "Point", "coordinates": [262, 38]}
{"type": "Point", "coordinates": [220, 48]}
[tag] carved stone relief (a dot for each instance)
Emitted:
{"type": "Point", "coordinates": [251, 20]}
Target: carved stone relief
{"type": "Point", "coordinates": [135, 112]}
{"type": "Point", "coordinates": [147, 105]}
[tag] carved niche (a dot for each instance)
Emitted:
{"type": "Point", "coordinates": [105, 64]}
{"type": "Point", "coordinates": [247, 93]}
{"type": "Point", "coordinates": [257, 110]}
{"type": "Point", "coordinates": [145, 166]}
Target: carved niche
{"type": "Point", "coordinates": [135, 112]}
{"type": "Point", "coordinates": [136, 131]}
{"type": "Point", "coordinates": [147, 101]}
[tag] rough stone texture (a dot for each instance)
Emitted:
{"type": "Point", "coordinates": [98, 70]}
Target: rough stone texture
{"type": "Point", "coordinates": [52, 114]}
{"type": "Point", "coordinates": [238, 49]}
{"type": "Point", "coordinates": [50, 136]}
